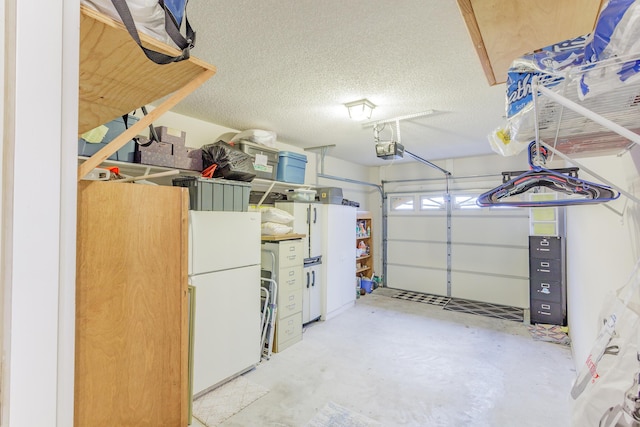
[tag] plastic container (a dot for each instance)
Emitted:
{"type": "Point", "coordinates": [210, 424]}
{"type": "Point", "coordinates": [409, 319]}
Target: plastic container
{"type": "Point", "coordinates": [215, 194]}
{"type": "Point", "coordinates": [300, 195]}
{"type": "Point", "coordinates": [291, 167]}
{"type": "Point", "coordinates": [116, 127]}
{"type": "Point", "coordinates": [367, 285]}
{"type": "Point", "coordinates": [268, 159]}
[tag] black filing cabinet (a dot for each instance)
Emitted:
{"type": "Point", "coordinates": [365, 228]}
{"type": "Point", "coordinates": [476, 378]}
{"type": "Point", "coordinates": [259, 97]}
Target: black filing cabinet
{"type": "Point", "coordinates": [547, 282]}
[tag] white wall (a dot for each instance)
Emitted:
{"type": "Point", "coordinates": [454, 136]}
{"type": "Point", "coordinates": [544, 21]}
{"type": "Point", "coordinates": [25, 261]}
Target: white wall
{"type": "Point", "coordinates": [602, 248]}
{"type": "Point", "coordinates": [38, 212]}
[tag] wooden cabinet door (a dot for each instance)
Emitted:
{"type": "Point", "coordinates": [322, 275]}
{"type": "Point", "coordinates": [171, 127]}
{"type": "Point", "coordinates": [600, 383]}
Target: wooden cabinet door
{"type": "Point", "coordinates": [131, 305]}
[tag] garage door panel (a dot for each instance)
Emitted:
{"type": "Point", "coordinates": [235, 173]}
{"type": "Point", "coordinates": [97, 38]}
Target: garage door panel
{"type": "Point", "coordinates": [491, 259]}
{"type": "Point", "coordinates": [418, 254]}
{"type": "Point", "coordinates": [418, 280]}
{"type": "Point", "coordinates": [417, 227]}
{"type": "Point", "coordinates": [489, 253]}
{"type": "Point", "coordinates": [488, 230]}
{"type": "Point", "coordinates": [498, 290]}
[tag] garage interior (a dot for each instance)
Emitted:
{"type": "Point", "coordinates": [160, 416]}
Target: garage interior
{"type": "Point", "coordinates": [435, 76]}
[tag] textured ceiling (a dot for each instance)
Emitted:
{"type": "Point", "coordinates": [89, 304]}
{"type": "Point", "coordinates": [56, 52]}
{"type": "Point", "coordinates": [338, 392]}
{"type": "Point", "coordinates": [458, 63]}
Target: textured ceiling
{"type": "Point", "coordinates": [289, 66]}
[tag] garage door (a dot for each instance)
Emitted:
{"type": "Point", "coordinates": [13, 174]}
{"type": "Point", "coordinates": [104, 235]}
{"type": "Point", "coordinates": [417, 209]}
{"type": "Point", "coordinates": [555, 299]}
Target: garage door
{"type": "Point", "coordinates": [465, 251]}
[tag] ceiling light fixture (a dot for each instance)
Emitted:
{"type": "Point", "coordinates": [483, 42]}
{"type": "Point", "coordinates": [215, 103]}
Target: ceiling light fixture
{"type": "Point", "coordinates": [360, 110]}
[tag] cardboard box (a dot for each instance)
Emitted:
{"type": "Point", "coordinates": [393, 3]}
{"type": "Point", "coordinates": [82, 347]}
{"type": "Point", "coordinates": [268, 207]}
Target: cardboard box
{"type": "Point", "coordinates": [172, 136]}
{"type": "Point", "coordinates": [155, 147]}
{"type": "Point", "coordinates": [153, 158]}
{"type": "Point", "coordinates": [188, 158]}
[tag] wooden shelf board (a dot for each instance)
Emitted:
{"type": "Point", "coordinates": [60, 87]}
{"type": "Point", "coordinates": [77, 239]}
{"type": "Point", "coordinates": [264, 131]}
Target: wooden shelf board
{"type": "Point", "coordinates": [290, 236]}
{"type": "Point", "coordinates": [115, 75]}
{"type": "Point", "coordinates": [360, 270]}
{"type": "Point", "coordinates": [531, 26]}
{"type": "Point", "coordinates": [363, 257]}
{"type": "Point", "coordinates": [363, 237]}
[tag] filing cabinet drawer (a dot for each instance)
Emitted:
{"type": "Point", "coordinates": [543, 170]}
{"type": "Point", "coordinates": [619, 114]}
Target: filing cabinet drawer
{"type": "Point", "coordinates": [290, 253]}
{"type": "Point", "coordinates": [546, 312]}
{"type": "Point", "coordinates": [289, 303]}
{"type": "Point", "coordinates": [288, 332]}
{"type": "Point", "coordinates": [545, 290]}
{"type": "Point", "coordinates": [545, 269]}
{"type": "Point", "coordinates": [289, 279]}
{"type": "Point", "coordinates": [545, 247]}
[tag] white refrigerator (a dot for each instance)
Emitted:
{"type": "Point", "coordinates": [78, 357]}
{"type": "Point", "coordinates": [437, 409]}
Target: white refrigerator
{"type": "Point", "coordinates": [224, 269]}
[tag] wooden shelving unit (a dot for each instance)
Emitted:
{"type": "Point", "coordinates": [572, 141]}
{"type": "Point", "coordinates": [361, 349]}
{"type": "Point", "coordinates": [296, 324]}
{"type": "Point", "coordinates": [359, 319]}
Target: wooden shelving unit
{"type": "Point", "coordinates": [131, 286]}
{"type": "Point", "coordinates": [116, 78]}
{"type": "Point", "coordinates": [364, 237]}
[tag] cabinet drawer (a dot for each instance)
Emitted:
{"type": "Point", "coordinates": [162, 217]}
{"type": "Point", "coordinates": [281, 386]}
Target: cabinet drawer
{"type": "Point", "coordinates": [546, 312]}
{"type": "Point", "coordinates": [289, 303]}
{"type": "Point", "coordinates": [545, 290]}
{"type": "Point", "coordinates": [289, 253]}
{"type": "Point", "coordinates": [288, 331]}
{"type": "Point", "coordinates": [289, 279]}
{"type": "Point", "coordinates": [545, 247]}
{"type": "Point", "coordinates": [545, 269]}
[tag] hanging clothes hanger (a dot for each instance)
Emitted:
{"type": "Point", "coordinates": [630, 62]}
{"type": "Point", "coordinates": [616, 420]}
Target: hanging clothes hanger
{"type": "Point", "coordinates": [537, 177]}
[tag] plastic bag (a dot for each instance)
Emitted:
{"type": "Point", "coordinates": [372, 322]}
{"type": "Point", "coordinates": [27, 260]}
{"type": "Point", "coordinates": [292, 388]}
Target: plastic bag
{"type": "Point", "coordinates": [617, 34]}
{"type": "Point", "coordinates": [612, 367]}
{"type": "Point", "coordinates": [270, 214]}
{"type": "Point", "coordinates": [232, 163]}
{"type": "Point", "coordinates": [274, 229]}
{"type": "Point", "coordinates": [544, 64]}
{"type": "Point", "coordinates": [264, 137]}
{"type": "Point", "coordinates": [148, 15]}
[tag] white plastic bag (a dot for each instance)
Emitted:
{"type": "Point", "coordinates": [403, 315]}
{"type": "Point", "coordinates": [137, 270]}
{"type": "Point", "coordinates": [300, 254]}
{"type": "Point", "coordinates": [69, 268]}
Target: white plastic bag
{"type": "Point", "coordinates": [616, 35]}
{"type": "Point", "coordinates": [275, 215]}
{"type": "Point", "coordinates": [147, 14]}
{"type": "Point", "coordinates": [274, 229]}
{"type": "Point", "coordinates": [612, 367]}
{"type": "Point", "coordinates": [258, 136]}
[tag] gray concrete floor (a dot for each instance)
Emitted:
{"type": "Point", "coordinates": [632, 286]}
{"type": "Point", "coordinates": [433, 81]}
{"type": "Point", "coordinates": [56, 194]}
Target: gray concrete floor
{"type": "Point", "coordinates": [404, 363]}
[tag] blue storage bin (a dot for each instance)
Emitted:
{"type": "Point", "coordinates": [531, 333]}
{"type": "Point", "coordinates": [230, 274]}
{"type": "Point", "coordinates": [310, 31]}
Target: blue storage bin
{"type": "Point", "coordinates": [291, 167]}
{"type": "Point", "coordinates": [116, 127]}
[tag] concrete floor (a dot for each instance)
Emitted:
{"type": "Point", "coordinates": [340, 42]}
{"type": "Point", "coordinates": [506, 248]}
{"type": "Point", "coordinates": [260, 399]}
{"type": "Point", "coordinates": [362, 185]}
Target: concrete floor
{"type": "Point", "coordinates": [403, 363]}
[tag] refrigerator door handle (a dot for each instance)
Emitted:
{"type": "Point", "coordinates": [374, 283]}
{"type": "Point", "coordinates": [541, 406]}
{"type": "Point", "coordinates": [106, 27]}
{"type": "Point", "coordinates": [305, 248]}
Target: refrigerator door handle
{"type": "Point", "coordinates": [307, 279]}
{"type": "Point", "coordinates": [309, 215]}
{"type": "Point", "coordinates": [315, 214]}
{"type": "Point", "coordinates": [313, 276]}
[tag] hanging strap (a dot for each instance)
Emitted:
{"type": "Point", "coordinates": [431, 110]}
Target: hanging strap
{"type": "Point", "coordinates": [172, 27]}
{"type": "Point", "coordinates": [159, 58]}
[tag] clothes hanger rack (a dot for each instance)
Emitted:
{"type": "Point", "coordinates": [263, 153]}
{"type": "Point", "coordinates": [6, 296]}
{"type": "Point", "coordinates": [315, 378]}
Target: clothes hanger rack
{"type": "Point", "coordinates": [539, 177]}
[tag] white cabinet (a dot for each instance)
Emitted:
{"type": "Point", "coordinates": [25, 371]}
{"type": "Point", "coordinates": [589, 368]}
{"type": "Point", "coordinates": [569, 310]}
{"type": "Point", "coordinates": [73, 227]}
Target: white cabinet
{"type": "Point", "coordinates": [287, 272]}
{"type": "Point", "coordinates": [307, 221]}
{"type": "Point", "coordinates": [338, 268]}
{"type": "Point", "coordinates": [312, 292]}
